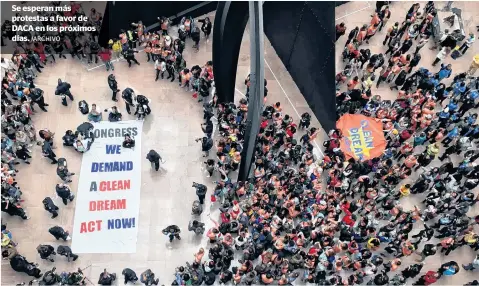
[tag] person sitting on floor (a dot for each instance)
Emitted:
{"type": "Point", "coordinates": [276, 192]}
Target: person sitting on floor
{"type": "Point", "coordinates": [95, 114]}
{"type": "Point", "coordinates": [114, 115]}
{"type": "Point", "coordinates": [129, 142]}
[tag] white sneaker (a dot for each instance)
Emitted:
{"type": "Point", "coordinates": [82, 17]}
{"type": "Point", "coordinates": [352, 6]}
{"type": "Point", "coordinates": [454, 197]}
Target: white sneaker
{"type": "Point", "coordinates": [208, 176]}
{"type": "Point", "coordinates": [69, 238]}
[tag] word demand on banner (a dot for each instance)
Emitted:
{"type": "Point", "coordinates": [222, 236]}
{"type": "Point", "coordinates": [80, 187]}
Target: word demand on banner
{"type": "Point", "coordinates": [96, 225]}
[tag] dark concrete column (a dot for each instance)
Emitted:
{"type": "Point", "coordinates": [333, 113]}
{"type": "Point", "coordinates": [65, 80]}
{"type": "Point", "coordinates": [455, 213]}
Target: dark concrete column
{"type": "Point", "coordinates": [256, 90]}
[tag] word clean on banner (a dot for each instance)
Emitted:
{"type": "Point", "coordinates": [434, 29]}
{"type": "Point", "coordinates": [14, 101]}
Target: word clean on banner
{"type": "Point", "coordinates": [108, 197]}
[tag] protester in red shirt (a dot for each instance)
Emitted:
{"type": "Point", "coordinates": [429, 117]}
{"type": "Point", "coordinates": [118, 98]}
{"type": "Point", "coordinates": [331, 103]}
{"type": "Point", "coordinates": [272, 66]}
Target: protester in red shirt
{"type": "Point", "coordinates": [105, 56]}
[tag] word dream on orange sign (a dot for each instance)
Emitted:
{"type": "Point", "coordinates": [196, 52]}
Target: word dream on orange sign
{"type": "Point", "coordinates": [363, 137]}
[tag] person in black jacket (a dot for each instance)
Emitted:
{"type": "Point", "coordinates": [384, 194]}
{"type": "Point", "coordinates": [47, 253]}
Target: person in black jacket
{"type": "Point", "coordinates": [129, 55]}
{"type": "Point", "coordinates": [195, 36]}
{"type": "Point", "coordinates": [206, 145]}
{"type": "Point", "coordinates": [154, 159]}
{"type": "Point", "coordinates": [400, 79]}
{"type": "Point", "coordinates": [128, 95]}
{"type": "Point", "coordinates": [94, 49]}
{"type": "Point", "coordinates": [47, 151]}
{"type": "Point", "coordinates": [207, 128]}
{"type": "Point", "coordinates": [50, 206]}
{"type": "Point", "coordinates": [36, 95]}
{"type": "Point", "coordinates": [352, 35]}
{"type": "Point", "coordinates": [106, 278]}
{"type": "Point", "coordinates": [113, 84]}
{"type": "Point", "coordinates": [206, 27]}
{"type": "Point", "coordinates": [64, 192]}
{"type": "Point", "coordinates": [58, 232]}
{"type": "Point", "coordinates": [63, 89]}
{"type": "Point", "coordinates": [200, 192]}
{"type": "Point", "coordinates": [46, 251]}
{"type": "Point", "coordinates": [130, 275]}
{"type": "Point", "coordinates": [170, 69]}
{"type": "Point", "coordinates": [66, 251]}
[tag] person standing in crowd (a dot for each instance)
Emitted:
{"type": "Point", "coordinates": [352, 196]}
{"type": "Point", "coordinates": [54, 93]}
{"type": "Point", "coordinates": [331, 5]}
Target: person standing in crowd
{"type": "Point", "coordinates": [206, 27]}
{"type": "Point", "coordinates": [129, 96]}
{"type": "Point", "coordinates": [129, 55]}
{"type": "Point", "coordinates": [105, 55]}
{"type": "Point", "coordinates": [113, 84]}
{"type": "Point", "coordinates": [340, 30]}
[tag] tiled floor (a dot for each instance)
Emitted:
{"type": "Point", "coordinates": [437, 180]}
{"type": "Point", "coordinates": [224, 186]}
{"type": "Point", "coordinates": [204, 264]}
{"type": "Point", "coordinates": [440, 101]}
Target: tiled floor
{"type": "Point", "coordinates": [166, 196]}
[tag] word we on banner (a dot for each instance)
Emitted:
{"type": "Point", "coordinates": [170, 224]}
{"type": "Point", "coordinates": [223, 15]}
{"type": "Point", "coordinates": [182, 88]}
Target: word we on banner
{"type": "Point", "coordinates": [108, 197]}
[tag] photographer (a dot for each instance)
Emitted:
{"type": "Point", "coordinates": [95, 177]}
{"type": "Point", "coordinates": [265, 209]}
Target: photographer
{"type": "Point", "coordinates": [206, 145]}
{"type": "Point", "coordinates": [200, 192]}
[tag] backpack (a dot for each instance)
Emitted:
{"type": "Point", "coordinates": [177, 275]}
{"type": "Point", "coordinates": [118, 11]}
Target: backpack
{"type": "Point", "coordinates": [83, 107]}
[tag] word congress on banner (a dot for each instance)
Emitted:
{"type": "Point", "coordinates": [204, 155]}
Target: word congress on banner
{"type": "Point", "coordinates": [108, 197]}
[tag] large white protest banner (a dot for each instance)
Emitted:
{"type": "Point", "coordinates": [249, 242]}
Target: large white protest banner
{"type": "Point", "coordinates": [108, 197]}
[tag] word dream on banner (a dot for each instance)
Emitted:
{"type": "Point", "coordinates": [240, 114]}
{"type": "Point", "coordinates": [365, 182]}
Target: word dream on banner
{"type": "Point", "coordinates": [108, 197]}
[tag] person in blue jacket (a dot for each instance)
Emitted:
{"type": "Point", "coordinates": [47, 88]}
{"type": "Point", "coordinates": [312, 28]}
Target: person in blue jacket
{"type": "Point", "coordinates": [445, 71]}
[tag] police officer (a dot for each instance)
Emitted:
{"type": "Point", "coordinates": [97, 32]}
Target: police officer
{"type": "Point", "coordinates": [46, 251]}
{"type": "Point", "coordinates": [63, 89]}
{"type": "Point", "coordinates": [106, 278]}
{"type": "Point", "coordinates": [113, 86]}
{"type": "Point", "coordinates": [128, 95]}
{"type": "Point", "coordinates": [129, 55]}
{"type": "Point", "coordinates": [50, 206]}
{"type": "Point", "coordinates": [64, 192]}
{"type": "Point", "coordinates": [130, 275]}
{"type": "Point", "coordinates": [58, 232]}
{"type": "Point", "coordinates": [64, 174]}
{"type": "Point", "coordinates": [64, 250]}
{"type": "Point", "coordinates": [36, 95]}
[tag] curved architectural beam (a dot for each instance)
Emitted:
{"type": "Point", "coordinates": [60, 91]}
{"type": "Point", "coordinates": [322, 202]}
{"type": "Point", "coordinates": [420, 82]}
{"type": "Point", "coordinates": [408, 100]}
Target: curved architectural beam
{"type": "Point", "coordinates": [230, 22]}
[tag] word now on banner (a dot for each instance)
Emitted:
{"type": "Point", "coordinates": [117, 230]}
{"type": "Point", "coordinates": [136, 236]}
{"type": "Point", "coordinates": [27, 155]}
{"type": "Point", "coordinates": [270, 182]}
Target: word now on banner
{"type": "Point", "coordinates": [108, 197]}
